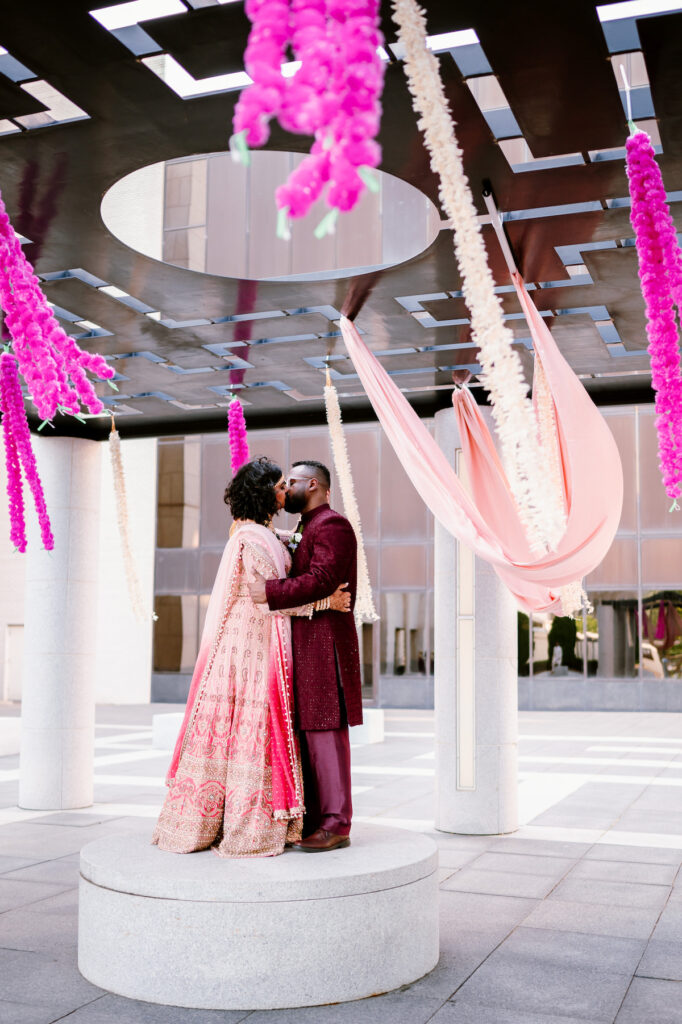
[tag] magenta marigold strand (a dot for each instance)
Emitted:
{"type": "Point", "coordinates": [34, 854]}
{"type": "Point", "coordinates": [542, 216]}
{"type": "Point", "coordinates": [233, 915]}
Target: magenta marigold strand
{"type": "Point", "coordinates": [236, 427]}
{"type": "Point", "coordinates": [48, 358]}
{"type": "Point", "coordinates": [14, 485]}
{"type": "Point", "coordinates": [15, 422]}
{"type": "Point", "coordinates": [661, 276]}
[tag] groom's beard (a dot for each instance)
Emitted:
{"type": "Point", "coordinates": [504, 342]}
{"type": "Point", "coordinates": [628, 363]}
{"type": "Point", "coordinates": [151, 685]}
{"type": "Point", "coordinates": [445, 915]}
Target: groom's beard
{"type": "Point", "coordinates": [294, 503]}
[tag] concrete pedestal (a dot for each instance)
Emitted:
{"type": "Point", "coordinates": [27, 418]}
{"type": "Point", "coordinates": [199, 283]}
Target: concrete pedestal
{"type": "Point", "coordinates": [372, 728]}
{"type": "Point", "coordinates": [165, 729]}
{"type": "Point", "coordinates": [475, 696]}
{"type": "Point", "coordinates": [60, 631]}
{"type": "Point", "coordinates": [10, 736]}
{"type": "Point", "coordinates": [259, 933]}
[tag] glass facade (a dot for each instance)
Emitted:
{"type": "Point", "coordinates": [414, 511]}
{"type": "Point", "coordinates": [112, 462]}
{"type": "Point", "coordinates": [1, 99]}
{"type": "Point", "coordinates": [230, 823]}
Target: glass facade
{"type": "Point", "coordinates": [634, 630]}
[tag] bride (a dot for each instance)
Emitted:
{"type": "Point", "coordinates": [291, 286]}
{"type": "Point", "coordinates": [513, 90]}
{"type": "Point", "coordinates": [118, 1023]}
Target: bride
{"type": "Point", "coordinates": [234, 782]}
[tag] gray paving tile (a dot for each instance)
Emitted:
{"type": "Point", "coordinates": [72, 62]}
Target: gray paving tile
{"type": "Point", "coordinates": [451, 841]}
{"type": "Point", "coordinates": [18, 894]}
{"type": "Point", "coordinates": [110, 1009]}
{"type": "Point", "coordinates": [477, 922]}
{"type": "Point", "coordinates": [594, 919]}
{"type": "Point", "coordinates": [388, 1009]}
{"type": "Point", "coordinates": [449, 858]}
{"type": "Point", "coordinates": [75, 820]}
{"type": "Point", "coordinates": [500, 883]}
{"type": "Point", "coordinates": [662, 960]}
{"type": "Point", "coordinates": [38, 980]}
{"type": "Point", "coordinates": [651, 1000]}
{"type": "Point", "coordinates": [542, 847]}
{"type": "Point", "coordinates": [451, 972]}
{"type": "Point", "coordinates": [639, 854]}
{"type": "Point", "coordinates": [628, 894]}
{"type": "Point", "coordinates": [19, 1013]}
{"type": "Point", "coordinates": [625, 871]}
{"type": "Point", "coordinates": [465, 1013]}
{"type": "Point", "coordinates": [50, 932]}
{"type": "Point", "coordinates": [524, 864]}
{"type": "Point", "coordinates": [14, 863]}
{"type": "Point", "coordinates": [601, 952]}
{"type": "Point", "coordinates": [532, 985]}
{"type": "Point", "coordinates": [63, 871]}
{"type": "Point", "coordinates": [669, 927]}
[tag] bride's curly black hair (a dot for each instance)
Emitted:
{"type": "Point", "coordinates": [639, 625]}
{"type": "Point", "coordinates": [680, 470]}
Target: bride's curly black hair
{"type": "Point", "coordinates": [251, 494]}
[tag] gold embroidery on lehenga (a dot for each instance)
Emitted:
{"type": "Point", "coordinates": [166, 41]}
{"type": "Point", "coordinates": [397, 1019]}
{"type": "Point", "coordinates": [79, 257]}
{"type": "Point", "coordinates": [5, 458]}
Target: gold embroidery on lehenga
{"type": "Point", "coordinates": [221, 796]}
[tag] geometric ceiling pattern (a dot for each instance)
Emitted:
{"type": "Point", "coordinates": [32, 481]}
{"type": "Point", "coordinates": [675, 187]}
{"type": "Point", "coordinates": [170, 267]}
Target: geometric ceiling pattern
{"type": "Point", "coordinates": [104, 89]}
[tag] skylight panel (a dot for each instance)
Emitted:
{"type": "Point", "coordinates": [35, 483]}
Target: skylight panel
{"type": "Point", "coordinates": [59, 107]}
{"type": "Point", "coordinates": [636, 9]}
{"type": "Point", "coordinates": [181, 82]}
{"type": "Point", "coordinates": [124, 15]}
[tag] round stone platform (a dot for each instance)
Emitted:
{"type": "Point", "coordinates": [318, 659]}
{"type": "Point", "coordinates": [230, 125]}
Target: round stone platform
{"type": "Point", "coordinates": [259, 933]}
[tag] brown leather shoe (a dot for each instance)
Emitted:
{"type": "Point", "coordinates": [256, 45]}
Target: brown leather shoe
{"type": "Point", "coordinates": [321, 841]}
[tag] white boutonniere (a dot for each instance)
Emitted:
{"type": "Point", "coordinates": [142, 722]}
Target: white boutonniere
{"type": "Point", "coordinates": [294, 541]}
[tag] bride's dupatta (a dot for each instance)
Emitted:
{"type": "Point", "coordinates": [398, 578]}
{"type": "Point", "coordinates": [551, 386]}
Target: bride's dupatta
{"type": "Point", "coordinates": [269, 553]}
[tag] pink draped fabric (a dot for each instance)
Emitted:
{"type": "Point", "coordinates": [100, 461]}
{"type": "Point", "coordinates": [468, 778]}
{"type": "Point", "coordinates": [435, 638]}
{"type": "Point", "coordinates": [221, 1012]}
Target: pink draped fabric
{"type": "Point", "coordinates": [488, 521]}
{"type": "Point", "coordinates": [280, 667]}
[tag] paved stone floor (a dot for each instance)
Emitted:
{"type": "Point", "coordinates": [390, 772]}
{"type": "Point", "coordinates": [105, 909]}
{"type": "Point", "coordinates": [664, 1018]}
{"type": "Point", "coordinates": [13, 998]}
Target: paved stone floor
{"type": "Point", "coordinates": [575, 919]}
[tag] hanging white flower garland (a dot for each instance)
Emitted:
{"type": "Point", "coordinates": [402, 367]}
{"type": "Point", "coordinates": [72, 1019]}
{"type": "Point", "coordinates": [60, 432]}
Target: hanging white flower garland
{"type": "Point", "coordinates": [140, 609]}
{"type": "Point", "coordinates": [541, 514]}
{"type": "Point", "coordinates": [364, 602]}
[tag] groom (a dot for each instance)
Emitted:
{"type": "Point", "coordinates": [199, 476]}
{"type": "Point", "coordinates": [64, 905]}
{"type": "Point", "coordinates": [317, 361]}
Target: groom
{"type": "Point", "coordinates": [327, 684]}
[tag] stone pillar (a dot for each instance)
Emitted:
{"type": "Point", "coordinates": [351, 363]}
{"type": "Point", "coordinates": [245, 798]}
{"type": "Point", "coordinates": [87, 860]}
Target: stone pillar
{"type": "Point", "coordinates": [475, 683]}
{"type": "Point", "coordinates": [58, 709]}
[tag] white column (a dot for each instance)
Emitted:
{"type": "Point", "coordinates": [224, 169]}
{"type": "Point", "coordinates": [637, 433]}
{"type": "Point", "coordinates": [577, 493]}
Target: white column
{"type": "Point", "coordinates": [475, 683]}
{"type": "Point", "coordinates": [124, 670]}
{"type": "Point", "coordinates": [56, 770]}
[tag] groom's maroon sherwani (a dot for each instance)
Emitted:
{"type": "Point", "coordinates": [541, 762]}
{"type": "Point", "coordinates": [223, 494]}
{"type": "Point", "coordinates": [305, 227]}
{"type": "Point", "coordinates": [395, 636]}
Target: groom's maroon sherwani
{"type": "Point", "coordinates": [327, 682]}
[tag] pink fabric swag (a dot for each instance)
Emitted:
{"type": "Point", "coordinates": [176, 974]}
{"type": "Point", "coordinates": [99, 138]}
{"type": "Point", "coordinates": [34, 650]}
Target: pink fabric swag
{"type": "Point", "coordinates": [488, 521]}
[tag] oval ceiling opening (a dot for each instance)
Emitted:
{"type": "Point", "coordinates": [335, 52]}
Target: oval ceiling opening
{"type": "Point", "coordinates": [207, 214]}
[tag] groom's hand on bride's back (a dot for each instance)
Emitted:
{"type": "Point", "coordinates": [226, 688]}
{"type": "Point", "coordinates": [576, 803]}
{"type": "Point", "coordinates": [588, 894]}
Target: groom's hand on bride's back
{"type": "Point", "coordinates": [340, 599]}
{"type": "Point", "coordinates": [257, 589]}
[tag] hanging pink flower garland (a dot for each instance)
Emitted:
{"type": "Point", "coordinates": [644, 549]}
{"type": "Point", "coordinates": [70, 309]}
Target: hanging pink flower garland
{"type": "Point", "coordinates": [334, 96]}
{"type": "Point", "coordinates": [660, 271]}
{"type": "Point", "coordinates": [53, 366]}
{"type": "Point", "coordinates": [50, 361]}
{"type": "Point", "coordinates": [18, 453]}
{"type": "Point", "coordinates": [236, 429]}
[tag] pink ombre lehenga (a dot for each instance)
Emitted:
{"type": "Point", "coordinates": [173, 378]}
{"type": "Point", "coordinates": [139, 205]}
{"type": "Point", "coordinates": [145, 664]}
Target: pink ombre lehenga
{"type": "Point", "coordinates": [235, 778]}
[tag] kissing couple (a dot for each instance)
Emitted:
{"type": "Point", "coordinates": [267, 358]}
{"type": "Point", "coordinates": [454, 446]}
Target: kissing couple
{"type": "Point", "coordinates": [262, 761]}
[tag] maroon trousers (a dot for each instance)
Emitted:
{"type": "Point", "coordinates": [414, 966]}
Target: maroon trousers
{"type": "Point", "coordinates": [325, 760]}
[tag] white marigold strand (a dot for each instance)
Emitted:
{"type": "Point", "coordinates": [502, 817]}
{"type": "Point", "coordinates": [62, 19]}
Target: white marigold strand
{"type": "Point", "coordinates": [364, 603]}
{"type": "Point", "coordinates": [543, 518]}
{"type": "Point", "coordinates": [572, 595]}
{"type": "Point", "coordinates": [140, 610]}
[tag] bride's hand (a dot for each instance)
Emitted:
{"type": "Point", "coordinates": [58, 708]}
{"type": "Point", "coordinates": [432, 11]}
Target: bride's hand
{"type": "Point", "coordinates": [340, 599]}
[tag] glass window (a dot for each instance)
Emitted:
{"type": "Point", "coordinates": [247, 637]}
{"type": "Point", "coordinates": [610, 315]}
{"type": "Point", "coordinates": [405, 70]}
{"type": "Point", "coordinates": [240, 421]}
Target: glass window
{"type": "Point", "coordinates": [613, 635]}
{"type": "Point", "coordinates": [404, 648]}
{"type": "Point", "coordinates": [619, 566]}
{"type": "Point", "coordinates": [178, 494]}
{"type": "Point", "coordinates": [622, 426]}
{"type": "Point", "coordinates": [558, 643]}
{"type": "Point", "coordinates": [654, 501]}
{"type": "Point", "coordinates": [175, 633]}
{"type": "Point", "coordinates": [662, 634]}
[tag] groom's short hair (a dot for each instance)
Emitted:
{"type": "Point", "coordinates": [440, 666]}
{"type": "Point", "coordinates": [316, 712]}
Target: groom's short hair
{"type": "Point", "coordinates": [320, 471]}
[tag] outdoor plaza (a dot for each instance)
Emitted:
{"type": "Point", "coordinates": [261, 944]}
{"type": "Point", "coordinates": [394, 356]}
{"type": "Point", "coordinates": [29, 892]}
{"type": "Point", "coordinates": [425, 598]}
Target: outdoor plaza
{"type": "Point", "coordinates": [341, 477]}
{"type": "Point", "coordinates": [576, 918]}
